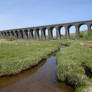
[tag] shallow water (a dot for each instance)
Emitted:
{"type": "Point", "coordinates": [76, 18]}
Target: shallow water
{"type": "Point", "coordinates": [42, 78]}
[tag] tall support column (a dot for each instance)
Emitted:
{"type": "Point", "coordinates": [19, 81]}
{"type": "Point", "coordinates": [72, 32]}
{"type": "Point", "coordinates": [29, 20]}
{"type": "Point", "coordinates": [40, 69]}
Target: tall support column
{"type": "Point", "coordinates": [89, 27]}
{"type": "Point", "coordinates": [19, 34]}
{"type": "Point", "coordinates": [10, 33]}
{"type": "Point", "coordinates": [43, 34]}
{"type": "Point", "coordinates": [30, 36]}
{"type": "Point", "coordinates": [58, 35]}
{"type": "Point", "coordinates": [2, 34]}
{"type": "Point", "coordinates": [24, 34]}
{"type": "Point", "coordinates": [50, 34]}
{"type": "Point", "coordinates": [36, 34]}
{"type": "Point", "coordinates": [67, 34]}
{"type": "Point", "coordinates": [5, 34]}
{"type": "Point", "coordinates": [77, 31]}
{"type": "Point", "coordinates": [15, 34]}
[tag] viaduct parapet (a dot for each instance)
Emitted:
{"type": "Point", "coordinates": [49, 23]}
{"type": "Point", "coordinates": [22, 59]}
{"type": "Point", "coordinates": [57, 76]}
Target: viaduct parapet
{"type": "Point", "coordinates": [39, 32]}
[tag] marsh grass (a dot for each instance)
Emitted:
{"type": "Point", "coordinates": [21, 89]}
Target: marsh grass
{"type": "Point", "coordinates": [19, 55]}
{"type": "Point", "coordinates": [71, 63]}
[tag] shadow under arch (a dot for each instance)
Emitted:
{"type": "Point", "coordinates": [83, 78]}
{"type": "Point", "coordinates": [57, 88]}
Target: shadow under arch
{"type": "Point", "coordinates": [21, 32]}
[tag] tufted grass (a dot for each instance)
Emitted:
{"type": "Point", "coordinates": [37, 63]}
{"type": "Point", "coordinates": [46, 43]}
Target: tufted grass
{"type": "Point", "coordinates": [19, 55]}
{"type": "Point", "coordinates": [74, 63]}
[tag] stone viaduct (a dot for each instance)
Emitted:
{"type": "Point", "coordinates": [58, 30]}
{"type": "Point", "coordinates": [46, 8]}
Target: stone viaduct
{"type": "Point", "coordinates": [32, 33]}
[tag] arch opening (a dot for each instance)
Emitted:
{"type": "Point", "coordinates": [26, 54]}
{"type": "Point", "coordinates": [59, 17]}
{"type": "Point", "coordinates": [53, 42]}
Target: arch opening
{"type": "Point", "coordinates": [46, 31]}
{"type": "Point", "coordinates": [54, 33]}
{"type": "Point", "coordinates": [83, 28]}
{"type": "Point", "coordinates": [72, 32]}
{"type": "Point", "coordinates": [40, 34]}
{"type": "Point", "coordinates": [62, 32]}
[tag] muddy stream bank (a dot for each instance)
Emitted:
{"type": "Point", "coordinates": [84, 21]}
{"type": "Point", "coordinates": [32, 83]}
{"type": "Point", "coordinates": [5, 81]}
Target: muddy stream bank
{"type": "Point", "coordinates": [42, 78]}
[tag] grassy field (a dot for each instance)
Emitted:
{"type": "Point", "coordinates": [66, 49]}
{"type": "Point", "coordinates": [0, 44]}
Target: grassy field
{"type": "Point", "coordinates": [74, 64]}
{"type": "Point", "coordinates": [19, 55]}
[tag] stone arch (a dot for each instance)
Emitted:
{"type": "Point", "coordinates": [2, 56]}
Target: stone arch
{"type": "Point", "coordinates": [83, 27]}
{"type": "Point", "coordinates": [72, 31]}
{"type": "Point", "coordinates": [62, 32]}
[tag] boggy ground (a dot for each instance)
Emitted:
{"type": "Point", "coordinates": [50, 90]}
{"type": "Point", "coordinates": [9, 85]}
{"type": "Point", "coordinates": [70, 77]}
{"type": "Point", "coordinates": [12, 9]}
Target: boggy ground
{"type": "Point", "coordinates": [19, 55]}
{"type": "Point", "coordinates": [74, 65]}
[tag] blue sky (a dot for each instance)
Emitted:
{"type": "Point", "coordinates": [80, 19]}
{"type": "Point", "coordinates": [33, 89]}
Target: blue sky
{"type": "Point", "coordinates": [27, 13]}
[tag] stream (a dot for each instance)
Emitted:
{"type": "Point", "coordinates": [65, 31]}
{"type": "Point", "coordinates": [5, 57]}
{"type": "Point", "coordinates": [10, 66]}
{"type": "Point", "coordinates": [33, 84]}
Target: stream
{"type": "Point", "coordinates": [42, 78]}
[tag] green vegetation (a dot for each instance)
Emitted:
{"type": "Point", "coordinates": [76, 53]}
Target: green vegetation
{"type": "Point", "coordinates": [84, 36]}
{"type": "Point", "coordinates": [11, 38]}
{"type": "Point", "coordinates": [19, 55]}
{"type": "Point", "coordinates": [1, 37]}
{"type": "Point", "coordinates": [74, 63]}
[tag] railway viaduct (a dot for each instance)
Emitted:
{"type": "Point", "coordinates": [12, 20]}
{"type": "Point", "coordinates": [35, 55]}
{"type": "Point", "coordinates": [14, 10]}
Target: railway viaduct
{"type": "Point", "coordinates": [32, 33]}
